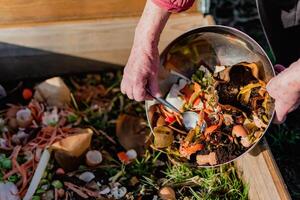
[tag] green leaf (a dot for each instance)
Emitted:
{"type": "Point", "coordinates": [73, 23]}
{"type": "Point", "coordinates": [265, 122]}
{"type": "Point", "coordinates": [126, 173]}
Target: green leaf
{"type": "Point", "coordinates": [6, 163]}
{"type": "Point", "coordinates": [72, 118]}
{"type": "Point", "coordinates": [13, 178]}
{"type": "Point", "coordinates": [40, 191]}
{"type": "Point", "coordinates": [35, 198]}
{"type": "Point", "coordinates": [57, 184]}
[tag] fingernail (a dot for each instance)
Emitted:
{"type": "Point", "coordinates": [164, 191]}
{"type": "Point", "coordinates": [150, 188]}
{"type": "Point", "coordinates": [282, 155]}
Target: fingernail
{"type": "Point", "coordinates": [279, 68]}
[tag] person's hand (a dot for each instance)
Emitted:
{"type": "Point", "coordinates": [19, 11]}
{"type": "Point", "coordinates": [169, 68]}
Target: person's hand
{"type": "Point", "coordinates": [142, 66]}
{"type": "Point", "coordinates": [285, 89]}
{"type": "Point", "coordinates": [141, 72]}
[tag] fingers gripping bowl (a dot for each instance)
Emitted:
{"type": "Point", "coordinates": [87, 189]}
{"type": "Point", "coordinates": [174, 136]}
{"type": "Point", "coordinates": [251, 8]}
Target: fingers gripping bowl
{"type": "Point", "coordinates": [219, 74]}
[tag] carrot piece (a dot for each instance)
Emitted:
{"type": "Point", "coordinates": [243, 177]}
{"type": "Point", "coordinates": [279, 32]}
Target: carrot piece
{"type": "Point", "coordinates": [200, 118]}
{"type": "Point", "coordinates": [187, 91]}
{"type": "Point", "coordinates": [213, 128]}
{"type": "Point", "coordinates": [197, 101]}
{"type": "Point", "coordinates": [197, 87]}
{"type": "Point", "coordinates": [187, 150]}
{"type": "Point", "coordinates": [123, 157]}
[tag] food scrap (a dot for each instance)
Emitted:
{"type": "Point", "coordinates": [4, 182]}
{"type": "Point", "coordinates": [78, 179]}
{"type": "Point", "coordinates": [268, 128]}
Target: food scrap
{"type": "Point", "coordinates": [98, 141]}
{"type": "Point", "coordinates": [232, 109]}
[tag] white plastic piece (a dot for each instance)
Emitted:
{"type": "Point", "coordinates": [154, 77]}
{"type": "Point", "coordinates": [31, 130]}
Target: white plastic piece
{"type": "Point", "coordinates": [38, 174]}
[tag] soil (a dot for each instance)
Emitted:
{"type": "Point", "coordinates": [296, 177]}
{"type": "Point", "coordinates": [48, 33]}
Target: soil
{"type": "Point", "coordinates": [228, 92]}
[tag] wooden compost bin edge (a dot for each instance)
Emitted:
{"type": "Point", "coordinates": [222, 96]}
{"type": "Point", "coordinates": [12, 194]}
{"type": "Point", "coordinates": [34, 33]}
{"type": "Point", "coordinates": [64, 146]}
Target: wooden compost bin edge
{"type": "Point", "coordinates": [259, 170]}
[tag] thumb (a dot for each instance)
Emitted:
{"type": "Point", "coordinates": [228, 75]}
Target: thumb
{"type": "Point", "coordinates": [282, 110]}
{"type": "Point", "coordinates": [153, 86]}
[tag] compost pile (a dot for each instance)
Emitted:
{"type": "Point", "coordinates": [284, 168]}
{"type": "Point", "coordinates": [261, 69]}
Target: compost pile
{"type": "Point", "coordinates": [98, 141]}
{"type": "Point", "coordinates": [233, 111]}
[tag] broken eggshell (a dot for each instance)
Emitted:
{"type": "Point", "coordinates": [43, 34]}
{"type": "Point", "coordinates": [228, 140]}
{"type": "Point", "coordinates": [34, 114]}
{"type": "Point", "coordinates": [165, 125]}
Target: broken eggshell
{"type": "Point", "coordinates": [239, 131]}
{"type": "Point", "coordinates": [69, 152]}
{"type": "Point", "coordinates": [93, 158]}
{"type": "Point", "coordinates": [20, 137]}
{"type": "Point", "coordinates": [8, 191]}
{"type": "Point", "coordinates": [10, 115]}
{"type": "Point", "coordinates": [54, 92]}
{"type": "Point", "coordinates": [86, 176]}
{"type": "Point", "coordinates": [167, 193]}
{"type": "Point", "coordinates": [50, 117]}
{"type": "Point", "coordinates": [24, 118]}
{"type": "Point", "coordinates": [118, 193]}
{"type": "Point", "coordinates": [131, 154]}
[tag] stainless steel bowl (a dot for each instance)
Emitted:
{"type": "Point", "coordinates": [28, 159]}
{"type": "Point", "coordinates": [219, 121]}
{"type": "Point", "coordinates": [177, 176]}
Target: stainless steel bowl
{"type": "Point", "coordinates": [216, 45]}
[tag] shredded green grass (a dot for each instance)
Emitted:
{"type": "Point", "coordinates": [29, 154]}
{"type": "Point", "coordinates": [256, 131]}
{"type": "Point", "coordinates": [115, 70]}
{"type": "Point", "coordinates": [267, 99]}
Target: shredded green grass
{"type": "Point", "coordinates": [206, 183]}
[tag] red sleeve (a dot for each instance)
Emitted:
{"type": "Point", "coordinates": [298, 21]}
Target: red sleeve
{"type": "Point", "coordinates": [174, 5]}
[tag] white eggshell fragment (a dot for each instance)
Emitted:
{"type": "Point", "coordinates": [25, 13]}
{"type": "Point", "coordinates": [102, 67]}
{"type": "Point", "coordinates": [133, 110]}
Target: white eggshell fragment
{"type": "Point", "coordinates": [86, 176]}
{"type": "Point", "coordinates": [93, 158]}
{"type": "Point", "coordinates": [131, 154]}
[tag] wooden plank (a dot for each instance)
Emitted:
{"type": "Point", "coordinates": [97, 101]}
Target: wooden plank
{"type": "Point", "coordinates": [105, 41]}
{"type": "Point", "coordinates": [14, 12]}
{"type": "Point", "coordinates": [258, 169]}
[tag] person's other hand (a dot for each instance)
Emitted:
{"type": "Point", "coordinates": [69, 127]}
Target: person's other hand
{"type": "Point", "coordinates": [141, 72]}
{"type": "Point", "coordinates": [285, 89]}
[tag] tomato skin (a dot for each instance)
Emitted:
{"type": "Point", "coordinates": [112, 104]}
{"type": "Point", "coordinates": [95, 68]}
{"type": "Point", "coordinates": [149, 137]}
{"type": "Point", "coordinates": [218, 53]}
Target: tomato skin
{"type": "Point", "coordinates": [170, 119]}
{"type": "Point", "coordinates": [27, 93]}
{"type": "Point", "coordinates": [196, 102]}
{"type": "Point", "coordinates": [123, 157]}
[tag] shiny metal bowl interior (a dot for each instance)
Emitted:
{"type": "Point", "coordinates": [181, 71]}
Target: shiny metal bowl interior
{"type": "Point", "coordinates": [216, 45]}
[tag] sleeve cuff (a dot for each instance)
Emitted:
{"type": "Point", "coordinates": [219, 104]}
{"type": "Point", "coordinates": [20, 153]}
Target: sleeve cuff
{"type": "Point", "coordinates": [174, 6]}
